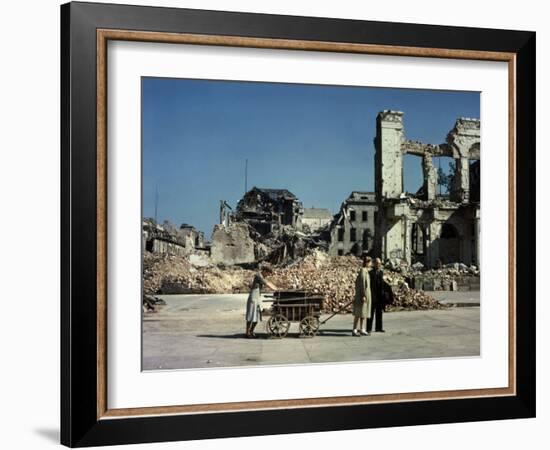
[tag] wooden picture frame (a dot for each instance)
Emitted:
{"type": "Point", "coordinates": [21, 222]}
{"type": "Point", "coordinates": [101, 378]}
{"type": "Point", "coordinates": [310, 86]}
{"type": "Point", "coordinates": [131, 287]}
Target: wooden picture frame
{"type": "Point", "coordinates": [85, 417]}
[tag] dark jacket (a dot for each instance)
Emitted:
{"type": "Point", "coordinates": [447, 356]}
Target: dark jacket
{"type": "Point", "coordinates": [377, 286]}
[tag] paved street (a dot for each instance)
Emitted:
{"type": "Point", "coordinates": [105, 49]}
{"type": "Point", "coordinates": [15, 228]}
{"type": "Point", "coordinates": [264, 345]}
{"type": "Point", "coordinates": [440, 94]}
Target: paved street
{"type": "Point", "coordinates": [458, 298]}
{"type": "Point", "coordinates": [194, 331]}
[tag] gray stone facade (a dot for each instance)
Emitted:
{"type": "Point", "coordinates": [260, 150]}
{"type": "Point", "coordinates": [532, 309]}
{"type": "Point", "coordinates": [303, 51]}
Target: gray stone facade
{"type": "Point", "coordinates": [352, 231]}
{"type": "Point", "coordinates": [316, 218]}
{"type": "Point", "coordinates": [427, 228]}
{"type": "Point", "coordinates": [157, 238]}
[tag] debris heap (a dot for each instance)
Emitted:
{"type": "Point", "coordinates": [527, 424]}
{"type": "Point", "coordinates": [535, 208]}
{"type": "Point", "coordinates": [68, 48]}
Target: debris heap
{"type": "Point", "coordinates": [335, 278]}
{"type": "Point", "coordinates": [331, 276]}
{"type": "Point", "coordinates": [406, 298]}
{"type": "Point", "coordinates": [170, 274]}
{"type": "Point", "coordinates": [451, 277]}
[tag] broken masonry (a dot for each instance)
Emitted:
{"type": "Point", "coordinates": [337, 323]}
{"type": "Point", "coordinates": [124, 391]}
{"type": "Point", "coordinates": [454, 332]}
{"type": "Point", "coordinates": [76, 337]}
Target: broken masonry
{"type": "Point", "coordinates": [427, 228]}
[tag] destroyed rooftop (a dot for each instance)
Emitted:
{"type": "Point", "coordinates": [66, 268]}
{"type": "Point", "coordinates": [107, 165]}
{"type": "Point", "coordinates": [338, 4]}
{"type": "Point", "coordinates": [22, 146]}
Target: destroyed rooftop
{"type": "Point", "coordinates": [275, 194]}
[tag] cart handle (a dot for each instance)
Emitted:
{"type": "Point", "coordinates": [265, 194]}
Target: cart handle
{"type": "Point", "coordinates": [337, 312]}
{"type": "Point", "coordinates": [296, 305]}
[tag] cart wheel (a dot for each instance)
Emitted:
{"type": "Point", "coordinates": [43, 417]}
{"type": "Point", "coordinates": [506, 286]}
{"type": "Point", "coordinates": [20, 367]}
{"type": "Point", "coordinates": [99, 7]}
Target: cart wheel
{"type": "Point", "coordinates": [309, 326]}
{"type": "Point", "coordinates": [278, 326]}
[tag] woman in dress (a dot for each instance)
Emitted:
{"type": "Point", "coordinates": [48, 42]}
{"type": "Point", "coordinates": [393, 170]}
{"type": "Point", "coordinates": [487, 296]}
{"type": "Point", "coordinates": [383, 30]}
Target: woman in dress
{"type": "Point", "coordinates": [253, 304]}
{"type": "Point", "coordinates": [362, 302]}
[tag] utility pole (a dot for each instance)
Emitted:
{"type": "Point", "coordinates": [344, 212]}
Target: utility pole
{"type": "Point", "coordinates": [438, 172]}
{"type": "Point", "coordinates": [246, 175]}
{"type": "Point", "coordinates": [156, 202]}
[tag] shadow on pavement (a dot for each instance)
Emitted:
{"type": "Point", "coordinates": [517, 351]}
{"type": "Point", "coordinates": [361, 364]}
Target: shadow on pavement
{"type": "Point", "coordinates": [262, 335]}
{"type": "Point", "coordinates": [223, 336]}
{"type": "Point", "coordinates": [338, 332]}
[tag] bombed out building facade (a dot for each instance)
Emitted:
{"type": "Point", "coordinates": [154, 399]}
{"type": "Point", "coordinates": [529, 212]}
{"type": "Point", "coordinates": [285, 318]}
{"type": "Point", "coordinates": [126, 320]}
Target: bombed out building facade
{"type": "Point", "coordinates": [267, 210]}
{"type": "Point", "coordinates": [166, 239]}
{"type": "Point", "coordinates": [272, 225]}
{"type": "Point", "coordinates": [425, 227]}
{"type": "Point", "coordinates": [352, 230]}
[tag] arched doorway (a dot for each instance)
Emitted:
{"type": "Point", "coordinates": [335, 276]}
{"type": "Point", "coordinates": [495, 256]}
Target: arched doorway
{"type": "Point", "coordinates": [449, 244]}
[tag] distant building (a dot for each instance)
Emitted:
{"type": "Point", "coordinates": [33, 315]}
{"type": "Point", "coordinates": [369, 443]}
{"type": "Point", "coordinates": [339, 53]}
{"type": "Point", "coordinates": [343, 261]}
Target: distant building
{"type": "Point", "coordinates": [191, 235]}
{"type": "Point", "coordinates": [352, 230]}
{"type": "Point", "coordinates": [156, 239]}
{"type": "Point", "coordinates": [266, 210]}
{"type": "Point", "coordinates": [316, 218]}
{"type": "Point", "coordinates": [166, 239]}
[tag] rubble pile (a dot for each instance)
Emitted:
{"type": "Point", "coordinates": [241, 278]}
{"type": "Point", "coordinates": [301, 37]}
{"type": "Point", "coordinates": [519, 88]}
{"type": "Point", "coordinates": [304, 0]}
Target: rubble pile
{"type": "Point", "coordinates": [241, 243]}
{"type": "Point", "coordinates": [170, 274]}
{"type": "Point", "coordinates": [405, 298]}
{"type": "Point", "coordinates": [453, 269]}
{"type": "Point", "coordinates": [286, 245]}
{"type": "Point", "coordinates": [334, 277]}
{"type": "Point", "coordinates": [317, 272]}
{"type": "Point", "coordinates": [450, 277]}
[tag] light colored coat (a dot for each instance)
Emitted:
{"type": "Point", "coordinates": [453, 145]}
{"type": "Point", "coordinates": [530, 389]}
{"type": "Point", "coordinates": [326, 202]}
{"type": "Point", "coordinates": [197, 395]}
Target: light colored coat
{"type": "Point", "coordinates": [253, 303]}
{"type": "Point", "coordinates": [362, 303]}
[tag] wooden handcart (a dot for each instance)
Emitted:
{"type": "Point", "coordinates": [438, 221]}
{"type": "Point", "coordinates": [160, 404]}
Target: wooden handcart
{"type": "Point", "coordinates": [295, 306]}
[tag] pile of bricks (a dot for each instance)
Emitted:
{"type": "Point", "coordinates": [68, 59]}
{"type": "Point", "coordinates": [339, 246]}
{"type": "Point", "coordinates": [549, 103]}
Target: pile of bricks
{"type": "Point", "coordinates": [330, 276]}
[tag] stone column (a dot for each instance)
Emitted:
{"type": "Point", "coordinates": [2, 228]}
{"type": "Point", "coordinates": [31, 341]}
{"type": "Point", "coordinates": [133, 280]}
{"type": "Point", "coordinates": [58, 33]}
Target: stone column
{"type": "Point", "coordinates": [434, 230]}
{"type": "Point", "coordinates": [463, 183]}
{"type": "Point", "coordinates": [430, 177]}
{"type": "Point", "coordinates": [407, 233]}
{"type": "Point", "coordinates": [388, 160]}
{"type": "Point", "coordinates": [464, 136]}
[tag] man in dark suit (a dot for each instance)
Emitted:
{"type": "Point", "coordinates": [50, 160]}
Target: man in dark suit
{"type": "Point", "coordinates": [377, 292]}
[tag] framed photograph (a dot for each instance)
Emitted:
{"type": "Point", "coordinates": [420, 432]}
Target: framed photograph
{"type": "Point", "coordinates": [276, 224]}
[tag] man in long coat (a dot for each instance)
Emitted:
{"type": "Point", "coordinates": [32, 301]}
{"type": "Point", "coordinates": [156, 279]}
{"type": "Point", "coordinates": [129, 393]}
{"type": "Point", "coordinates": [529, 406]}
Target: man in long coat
{"type": "Point", "coordinates": [362, 301]}
{"type": "Point", "coordinates": [378, 301]}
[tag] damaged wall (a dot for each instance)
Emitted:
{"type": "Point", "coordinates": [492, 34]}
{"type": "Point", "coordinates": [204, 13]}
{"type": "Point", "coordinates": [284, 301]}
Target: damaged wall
{"type": "Point", "coordinates": [159, 239]}
{"type": "Point", "coordinates": [427, 228]}
{"type": "Point", "coordinates": [232, 245]}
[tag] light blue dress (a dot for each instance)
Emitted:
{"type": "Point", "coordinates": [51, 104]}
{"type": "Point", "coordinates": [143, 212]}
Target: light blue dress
{"type": "Point", "coordinates": [253, 304]}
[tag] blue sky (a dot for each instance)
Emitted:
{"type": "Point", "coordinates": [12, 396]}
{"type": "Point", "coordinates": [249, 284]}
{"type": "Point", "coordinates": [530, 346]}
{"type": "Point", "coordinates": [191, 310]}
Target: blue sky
{"type": "Point", "coordinates": [316, 141]}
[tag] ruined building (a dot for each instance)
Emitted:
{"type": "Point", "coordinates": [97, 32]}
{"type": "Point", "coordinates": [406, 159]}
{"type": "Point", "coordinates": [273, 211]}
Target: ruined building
{"type": "Point", "coordinates": [191, 235]}
{"type": "Point", "coordinates": [314, 219]}
{"type": "Point", "coordinates": [268, 225]}
{"type": "Point", "coordinates": [352, 231]}
{"type": "Point", "coordinates": [166, 239]}
{"type": "Point", "coordinates": [427, 228]}
{"type": "Point", "coordinates": [266, 210]}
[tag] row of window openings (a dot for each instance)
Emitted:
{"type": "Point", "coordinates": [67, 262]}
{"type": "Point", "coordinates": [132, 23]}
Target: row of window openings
{"type": "Point", "coordinates": [352, 234]}
{"type": "Point", "coordinates": [364, 216]}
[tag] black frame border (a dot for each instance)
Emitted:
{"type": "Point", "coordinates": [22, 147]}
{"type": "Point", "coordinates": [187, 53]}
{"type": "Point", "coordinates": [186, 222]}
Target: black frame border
{"type": "Point", "coordinates": [79, 423]}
